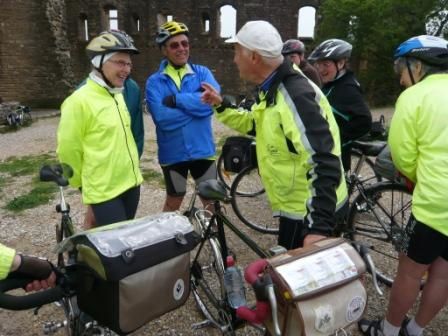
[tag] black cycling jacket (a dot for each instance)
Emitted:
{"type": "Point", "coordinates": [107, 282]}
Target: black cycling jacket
{"type": "Point", "coordinates": [351, 111]}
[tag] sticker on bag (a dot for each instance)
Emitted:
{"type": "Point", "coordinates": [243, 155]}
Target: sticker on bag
{"type": "Point", "coordinates": [325, 319]}
{"type": "Point", "coordinates": [179, 289]}
{"type": "Point", "coordinates": [355, 309]}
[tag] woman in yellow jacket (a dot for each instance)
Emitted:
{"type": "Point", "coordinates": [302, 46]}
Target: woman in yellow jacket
{"type": "Point", "coordinates": [95, 137]}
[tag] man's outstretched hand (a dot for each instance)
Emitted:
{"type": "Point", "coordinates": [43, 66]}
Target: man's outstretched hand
{"type": "Point", "coordinates": [210, 95]}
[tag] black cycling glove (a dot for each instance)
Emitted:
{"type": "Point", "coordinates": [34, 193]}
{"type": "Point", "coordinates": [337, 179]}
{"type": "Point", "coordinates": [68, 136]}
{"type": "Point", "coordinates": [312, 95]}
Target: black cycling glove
{"type": "Point", "coordinates": [169, 101]}
{"type": "Point", "coordinates": [34, 267]}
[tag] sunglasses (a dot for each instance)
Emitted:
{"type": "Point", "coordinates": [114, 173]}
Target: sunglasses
{"type": "Point", "coordinates": [176, 45]}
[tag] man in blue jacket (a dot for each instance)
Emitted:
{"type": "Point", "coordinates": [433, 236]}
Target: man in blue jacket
{"type": "Point", "coordinates": [183, 123]}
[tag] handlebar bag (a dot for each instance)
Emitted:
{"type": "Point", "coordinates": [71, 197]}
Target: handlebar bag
{"type": "Point", "coordinates": [139, 269]}
{"type": "Point", "coordinates": [238, 152]}
{"type": "Point", "coordinates": [318, 288]}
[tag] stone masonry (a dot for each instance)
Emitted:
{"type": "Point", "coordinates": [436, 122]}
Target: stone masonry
{"type": "Point", "coordinates": [42, 42]}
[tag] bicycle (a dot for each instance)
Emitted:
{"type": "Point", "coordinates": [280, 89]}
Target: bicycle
{"type": "Point", "coordinates": [378, 213]}
{"type": "Point", "coordinates": [250, 202]}
{"type": "Point", "coordinates": [64, 294]}
{"type": "Point", "coordinates": [15, 115]}
{"type": "Point", "coordinates": [208, 267]}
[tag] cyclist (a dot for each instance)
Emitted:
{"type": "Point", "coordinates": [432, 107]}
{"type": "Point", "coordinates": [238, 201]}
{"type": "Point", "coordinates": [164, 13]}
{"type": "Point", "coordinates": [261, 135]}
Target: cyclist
{"type": "Point", "coordinates": [295, 50]}
{"type": "Point", "coordinates": [418, 140]}
{"type": "Point", "coordinates": [36, 268]}
{"type": "Point", "coordinates": [297, 137]}
{"type": "Point", "coordinates": [343, 92]}
{"type": "Point", "coordinates": [94, 135]}
{"type": "Point", "coordinates": [183, 123]}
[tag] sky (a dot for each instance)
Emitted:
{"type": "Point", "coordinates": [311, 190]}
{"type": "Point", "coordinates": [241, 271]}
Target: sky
{"type": "Point", "coordinates": [306, 18]}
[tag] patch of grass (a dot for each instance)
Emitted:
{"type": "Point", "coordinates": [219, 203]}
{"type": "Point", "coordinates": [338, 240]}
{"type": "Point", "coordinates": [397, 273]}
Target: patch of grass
{"type": "Point", "coordinates": [151, 175]}
{"type": "Point", "coordinates": [2, 182]}
{"type": "Point", "coordinates": [40, 194]}
{"type": "Point", "coordinates": [26, 165]}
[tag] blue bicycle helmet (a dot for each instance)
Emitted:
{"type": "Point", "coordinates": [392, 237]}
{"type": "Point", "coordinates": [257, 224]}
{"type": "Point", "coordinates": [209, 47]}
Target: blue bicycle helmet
{"type": "Point", "coordinates": [431, 50]}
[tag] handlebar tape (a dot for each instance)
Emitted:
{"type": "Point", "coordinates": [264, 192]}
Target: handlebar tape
{"type": "Point", "coordinates": [37, 299]}
{"type": "Point", "coordinates": [254, 276]}
{"type": "Point", "coordinates": [258, 315]}
{"type": "Point", "coordinates": [252, 272]}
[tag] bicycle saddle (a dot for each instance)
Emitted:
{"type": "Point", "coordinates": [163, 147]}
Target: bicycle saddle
{"type": "Point", "coordinates": [212, 190]}
{"type": "Point", "coordinates": [371, 148]}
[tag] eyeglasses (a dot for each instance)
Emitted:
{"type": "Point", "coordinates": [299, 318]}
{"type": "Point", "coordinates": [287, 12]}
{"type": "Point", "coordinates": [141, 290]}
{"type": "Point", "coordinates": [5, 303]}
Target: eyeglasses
{"type": "Point", "coordinates": [122, 64]}
{"type": "Point", "coordinates": [176, 45]}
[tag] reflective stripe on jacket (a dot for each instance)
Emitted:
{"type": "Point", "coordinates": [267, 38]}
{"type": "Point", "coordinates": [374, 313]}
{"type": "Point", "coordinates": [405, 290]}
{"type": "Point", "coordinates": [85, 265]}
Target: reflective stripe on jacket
{"type": "Point", "coordinates": [184, 133]}
{"type": "Point", "coordinates": [95, 139]}
{"type": "Point", "coordinates": [298, 149]}
{"type": "Point", "coordinates": [418, 140]}
{"type": "Point", "coordinates": [6, 258]}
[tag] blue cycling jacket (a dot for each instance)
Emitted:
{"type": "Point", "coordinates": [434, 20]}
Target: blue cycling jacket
{"type": "Point", "coordinates": [184, 132]}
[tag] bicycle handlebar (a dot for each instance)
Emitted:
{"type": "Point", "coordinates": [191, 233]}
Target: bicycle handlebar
{"type": "Point", "coordinates": [23, 302]}
{"type": "Point", "coordinates": [264, 291]}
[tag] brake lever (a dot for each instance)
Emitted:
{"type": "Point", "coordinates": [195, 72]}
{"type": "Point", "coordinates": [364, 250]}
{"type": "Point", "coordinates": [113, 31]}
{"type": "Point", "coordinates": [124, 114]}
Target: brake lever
{"type": "Point", "coordinates": [274, 310]}
{"type": "Point", "coordinates": [371, 265]}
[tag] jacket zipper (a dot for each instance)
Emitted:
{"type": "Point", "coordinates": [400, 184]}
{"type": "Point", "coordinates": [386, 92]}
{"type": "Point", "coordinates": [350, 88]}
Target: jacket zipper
{"type": "Point", "coordinates": [126, 139]}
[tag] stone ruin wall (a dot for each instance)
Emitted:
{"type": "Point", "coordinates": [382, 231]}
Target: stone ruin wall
{"type": "Point", "coordinates": [42, 55]}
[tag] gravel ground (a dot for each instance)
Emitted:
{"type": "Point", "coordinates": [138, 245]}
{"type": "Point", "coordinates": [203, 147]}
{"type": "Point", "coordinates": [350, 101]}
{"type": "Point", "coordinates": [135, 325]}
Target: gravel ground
{"type": "Point", "coordinates": [32, 231]}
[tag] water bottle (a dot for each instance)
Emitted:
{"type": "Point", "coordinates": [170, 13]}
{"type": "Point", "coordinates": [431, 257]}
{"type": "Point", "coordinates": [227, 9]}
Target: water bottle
{"type": "Point", "coordinates": [234, 284]}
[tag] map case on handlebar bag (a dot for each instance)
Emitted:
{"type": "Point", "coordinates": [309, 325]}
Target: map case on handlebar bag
{"type": "Point", "coordinates": [134, 271]}
{"type": "Point", "coordinates": [318, 288]}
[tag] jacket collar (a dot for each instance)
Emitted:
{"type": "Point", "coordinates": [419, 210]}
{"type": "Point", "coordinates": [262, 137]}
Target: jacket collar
{"type": "Point", "coordinates": [284, 70]}
{"type": "Point", "coordinates": [164, 64]}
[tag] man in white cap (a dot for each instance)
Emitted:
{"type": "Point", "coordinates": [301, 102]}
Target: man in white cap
{"type": "Point", "coordinates": [298, 148]}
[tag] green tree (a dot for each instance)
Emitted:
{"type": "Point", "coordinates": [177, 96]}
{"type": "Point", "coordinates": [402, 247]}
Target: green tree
{"type": "Point", "coordinates": [375, 28]}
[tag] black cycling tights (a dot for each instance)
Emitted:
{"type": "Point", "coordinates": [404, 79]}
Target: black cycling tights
{"type": "Point", "coordinates": [120, 208]}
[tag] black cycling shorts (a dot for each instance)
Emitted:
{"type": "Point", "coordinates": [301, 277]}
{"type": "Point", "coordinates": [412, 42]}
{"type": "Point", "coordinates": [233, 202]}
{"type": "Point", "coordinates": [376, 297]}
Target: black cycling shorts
{"type": "Point", "coordinates": [423, 244]}
{"type": "Point", "coordinates": [176, 175]}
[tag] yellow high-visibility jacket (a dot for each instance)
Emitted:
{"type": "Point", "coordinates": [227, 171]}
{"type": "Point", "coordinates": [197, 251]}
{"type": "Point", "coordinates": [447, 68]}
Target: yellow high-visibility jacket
{"type": "Point", "coordinates": [418, 140]}
{"type": "Point", "coordinates": [95, 139]}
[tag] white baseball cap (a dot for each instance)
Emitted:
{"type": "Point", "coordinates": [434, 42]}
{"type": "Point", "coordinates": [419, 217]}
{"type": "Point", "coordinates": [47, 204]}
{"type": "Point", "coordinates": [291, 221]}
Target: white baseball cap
{"type": "Point", "coordinates": [259, 36]}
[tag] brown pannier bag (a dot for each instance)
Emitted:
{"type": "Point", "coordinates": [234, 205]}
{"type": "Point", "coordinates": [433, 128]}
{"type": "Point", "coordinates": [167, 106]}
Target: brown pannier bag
{"type": "Point", "coordinates": [318, 288]}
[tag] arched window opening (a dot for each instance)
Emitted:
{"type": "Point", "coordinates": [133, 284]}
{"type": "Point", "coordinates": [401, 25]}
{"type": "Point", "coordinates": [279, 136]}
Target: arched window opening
{"type": "Point", "coordinates": [113, 18]}
{"type": "Point", "coordinates": [83, 27]}
{"type": "Point", "coordinates": [135, 24]}
{"type": "Point", "coordinates": [163, 18]}
{"type": "Point", "coordinates": [227, 21]}
{"type": "Point", "coordinates": [306, 22]}
{"type": "Point", "coordinates": [205, 23]}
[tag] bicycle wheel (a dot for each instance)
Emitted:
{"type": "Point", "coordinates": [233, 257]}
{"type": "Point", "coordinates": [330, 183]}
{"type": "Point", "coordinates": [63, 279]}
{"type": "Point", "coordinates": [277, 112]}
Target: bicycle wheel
{"type": "Point", "coordinates": [367, 173]}
{"type": "Point", "coordinates": [26, 118]}
{"type": "Point", "coordinates": [250, 203]}
{"type": "Point", "coordinates": [377, 219]}
{"type": "Point", "coordinates": [224, 176]}
{"type": "Point", "coordinates": [207, 285]}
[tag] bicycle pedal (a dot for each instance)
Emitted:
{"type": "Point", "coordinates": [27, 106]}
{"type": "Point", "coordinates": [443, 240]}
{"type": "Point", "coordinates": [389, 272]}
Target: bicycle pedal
{"type": "Point", "coordinates": [201, 325]}
{"type": "Point", "coordinates": [51, 327]}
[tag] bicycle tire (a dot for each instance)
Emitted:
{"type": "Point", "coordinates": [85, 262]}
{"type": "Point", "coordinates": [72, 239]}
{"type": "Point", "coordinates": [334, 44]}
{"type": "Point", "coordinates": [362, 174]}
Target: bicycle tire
{"type": "Point", "coordinates": [367, 173]}
{"type": "Point", "coordinates": [377, 219]}
{"type": "Point", "coordinates": [250, 204]}
{"type": "Point", "coordinates": [207, 285]}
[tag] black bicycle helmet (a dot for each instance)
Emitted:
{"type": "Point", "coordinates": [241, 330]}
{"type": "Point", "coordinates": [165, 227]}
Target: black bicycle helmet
{"type": "Point", "coordinates": [170, 29]}
{"type": "Point", "coordinates": [111, 41]}
{"type": "Point", "coordinates": [333, 49]}
{"type": "Point", "coordinates": [431, 50]}
{"type": "Point", "coordinates": [293, 46]}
